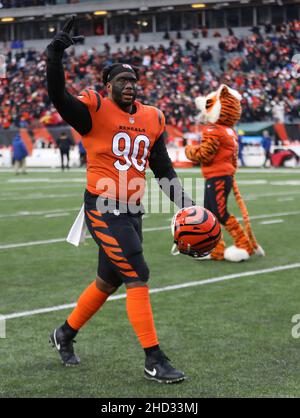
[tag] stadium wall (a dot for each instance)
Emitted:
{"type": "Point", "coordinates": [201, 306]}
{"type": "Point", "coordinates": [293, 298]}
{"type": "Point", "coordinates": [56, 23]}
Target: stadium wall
{"type": "Point", "coordinates": [44, 154]}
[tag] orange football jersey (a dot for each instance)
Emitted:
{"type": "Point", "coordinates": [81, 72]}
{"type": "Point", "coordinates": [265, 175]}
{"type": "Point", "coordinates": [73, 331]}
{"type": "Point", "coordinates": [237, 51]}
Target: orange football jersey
{"type": "Point", "coordinates": [118, 146]}
{"type": "Point", "coordinates": [224, 162]}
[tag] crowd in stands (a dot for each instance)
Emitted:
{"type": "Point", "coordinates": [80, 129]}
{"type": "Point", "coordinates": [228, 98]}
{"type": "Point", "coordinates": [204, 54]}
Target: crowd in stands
{"type": "Point", "coordinates": [259, 66]}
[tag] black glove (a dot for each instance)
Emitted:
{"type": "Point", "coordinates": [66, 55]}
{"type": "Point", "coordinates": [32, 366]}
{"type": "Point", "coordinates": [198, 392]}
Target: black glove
{"type": "Point", "coordinates": [62, 40]}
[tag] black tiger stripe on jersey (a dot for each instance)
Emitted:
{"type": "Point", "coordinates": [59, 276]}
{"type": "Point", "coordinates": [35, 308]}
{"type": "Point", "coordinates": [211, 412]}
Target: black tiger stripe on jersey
{"type": "Point", "coordinates": [98, 100]}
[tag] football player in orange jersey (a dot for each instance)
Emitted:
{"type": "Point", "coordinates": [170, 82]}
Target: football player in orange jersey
{"type": "Point", "coordinates": [217, 154]}
{"type": "Point", "coordinates": [120, 135]}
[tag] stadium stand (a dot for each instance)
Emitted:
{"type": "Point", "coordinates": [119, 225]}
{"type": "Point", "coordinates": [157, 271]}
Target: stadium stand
{"type": "Point", "coordinates": [258, 65]}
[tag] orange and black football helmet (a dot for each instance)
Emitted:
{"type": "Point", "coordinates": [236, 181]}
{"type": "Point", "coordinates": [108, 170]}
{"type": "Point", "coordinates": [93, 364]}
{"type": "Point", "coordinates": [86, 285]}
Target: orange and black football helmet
{"type": "Point", "coordinates": [196, 231]}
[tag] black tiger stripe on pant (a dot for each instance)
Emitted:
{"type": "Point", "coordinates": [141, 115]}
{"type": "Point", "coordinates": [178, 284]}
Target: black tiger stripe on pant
{"type": "Point", "coordinates": [119, 238]}
{"type": "Point", "coordinates": [216, 194]}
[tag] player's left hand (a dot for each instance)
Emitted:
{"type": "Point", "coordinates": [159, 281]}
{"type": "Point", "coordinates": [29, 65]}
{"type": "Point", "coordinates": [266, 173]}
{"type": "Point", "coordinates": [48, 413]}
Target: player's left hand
{"type": "Point", "coordinates": [62, 40]}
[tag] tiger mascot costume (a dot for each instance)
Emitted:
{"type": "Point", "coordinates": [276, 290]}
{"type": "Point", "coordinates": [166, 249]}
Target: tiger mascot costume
{"type": "Point", "coordinates": [218, 156]}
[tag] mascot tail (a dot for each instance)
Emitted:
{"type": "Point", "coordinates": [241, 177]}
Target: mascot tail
{"type": "Point", "coordinates": [245, 214]}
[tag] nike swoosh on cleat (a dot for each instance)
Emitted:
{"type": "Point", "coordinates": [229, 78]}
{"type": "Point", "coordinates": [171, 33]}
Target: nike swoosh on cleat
{"type": "Point", "coordinates": [55, 342]}
{"type": "Point", "coordinates": [152, 373]}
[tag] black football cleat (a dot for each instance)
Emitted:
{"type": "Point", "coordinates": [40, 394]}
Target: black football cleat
{"type": "Point", "coordinates": [157, 367]}
{"type": "Point", "coordinates": [64, 346]}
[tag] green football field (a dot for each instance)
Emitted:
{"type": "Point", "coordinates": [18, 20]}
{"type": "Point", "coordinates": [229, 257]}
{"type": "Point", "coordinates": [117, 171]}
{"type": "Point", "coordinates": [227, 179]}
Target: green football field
{"type": "Point", "coordinates": [228, 326]}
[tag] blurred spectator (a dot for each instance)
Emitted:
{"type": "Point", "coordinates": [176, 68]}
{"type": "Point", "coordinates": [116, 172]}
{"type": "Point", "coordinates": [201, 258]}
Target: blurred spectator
{"type": "Point", "coordinates": [117, 36]}
{"type": "Point", "coordinates": [240, 147]}
{"type": "Point", "coordinates": [99, 30]}
{"type": "Point", "coordinates": [278, 110]}
{"type": "Point", "coordinates": [136, 34]}
{"type": "Point", "coordinates": [19, 155]}
{"type": "Point", "coordinates": [167, 36]}
{"type": "Point", "coordinates": [206, 55]}
{"type": "Point", "coordinates": [266, 144]}
{"type": "Point", "coordinates": [256, 30]}
{"type": "Point", "coordinates": [82, 154]}
{"type": "Point", "coordinates": [217, 34]}
{"type": "Point", "coordinates": [195, 33]}
{"type": "Point", "coordinates": [107, 48]}
{"type": "Point", "coordinates": [17, 44]}
{"type": "Point", "coordinates": [64, 144]}
{"type": "Point", "coordinates": [204, 32]}
{"type": "Point", "coordinates": [268, 28]}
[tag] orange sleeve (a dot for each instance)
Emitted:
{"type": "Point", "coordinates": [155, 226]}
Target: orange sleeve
{"type": "Point", "coordinates": [90, 98]}
{"type": "Point", "coordinates": [206, 151]}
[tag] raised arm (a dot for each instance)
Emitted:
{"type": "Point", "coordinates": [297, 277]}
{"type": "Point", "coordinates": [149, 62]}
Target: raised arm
{"type": "Point", "coordinates": [72, 110]}
{"type": "Point", "coordinates": [161, 165]}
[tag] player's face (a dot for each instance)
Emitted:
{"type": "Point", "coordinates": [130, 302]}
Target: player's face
{"type": "Point", "coordinates": [124, 89]}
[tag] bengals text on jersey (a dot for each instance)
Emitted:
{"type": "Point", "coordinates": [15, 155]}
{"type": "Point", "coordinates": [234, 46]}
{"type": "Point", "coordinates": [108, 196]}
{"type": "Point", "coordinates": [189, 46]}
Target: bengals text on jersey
{"type": "Point", "coordinates": [118, 146]}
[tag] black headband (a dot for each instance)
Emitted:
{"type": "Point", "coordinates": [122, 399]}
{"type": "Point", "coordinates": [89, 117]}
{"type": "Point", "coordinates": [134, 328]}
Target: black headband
{"type": "Point", "coordinates": [115, 69]}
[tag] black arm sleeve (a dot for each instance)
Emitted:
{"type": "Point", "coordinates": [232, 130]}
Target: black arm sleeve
{"type": "Point", "coordinates": [72, 110]}
{"type": "Point", "coordinates": [161, 165]}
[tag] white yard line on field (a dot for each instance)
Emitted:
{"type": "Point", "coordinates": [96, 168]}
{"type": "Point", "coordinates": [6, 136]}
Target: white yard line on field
{"type": "Point", "coordinates": [55, 240]}
{"type": "Point", "coordinates": [83, 180]}
{"type": "Point", "coordinates": [56, 215]}
{"type": "Point", "coordinates": [160, 228]}
{"type": "Point", "coordinates": [47, 170]}
{"type": "Point", "coordinates": [47, 180]}
{"type": "Point", "coordinates": [256, 196]}
{"type": "Point", "coordinates": [65, 182]}
{"type": "Point", "coordinates": [30, 243]}
{"type": "Point", "coordinates": [12, 191]}
{"type": "Point", "coordinates": [285, 199]}
{"type": "Point", "coordinates": [37, 213]}
{"type": "Point", "coordinates": [161, 289]}
{"type": "Point", "coordinates": [40, 196]}
{"type": "Point", "coordinates": [272, 215]}
{"type": "Point", "coordinates": [274, 221]}
{"type": "Point", "coordinates": [267, 215]}
{"type": "Point", "coordinates": [256, 182]}
{"type": "Point", "coordinates": [285, 183]}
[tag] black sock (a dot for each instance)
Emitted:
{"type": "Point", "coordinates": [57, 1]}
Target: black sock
{"type": "Point", "coordinates": [71, 333]}
{"type": "Point", "coordinates": [151, 350]}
